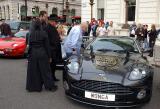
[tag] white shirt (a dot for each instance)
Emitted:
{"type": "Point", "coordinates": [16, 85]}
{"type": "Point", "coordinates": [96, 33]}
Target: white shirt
{"type": "Point", "coordinates": [101, 31]}
{"type": "Point", "coordinates": [111, 31]}
{"type": "Point", "coordinates": [74, 40]}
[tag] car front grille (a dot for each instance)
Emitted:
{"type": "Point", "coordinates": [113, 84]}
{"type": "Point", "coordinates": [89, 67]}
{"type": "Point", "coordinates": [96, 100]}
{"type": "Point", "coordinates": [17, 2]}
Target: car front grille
{"type": "Point", "coordinates": [103, 87]}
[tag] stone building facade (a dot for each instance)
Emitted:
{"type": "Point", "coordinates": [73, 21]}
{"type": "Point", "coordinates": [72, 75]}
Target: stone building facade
{"type": "Point", "coordinates": [15, 9]}
{"type": "Point", "coordinates": [123, 11]}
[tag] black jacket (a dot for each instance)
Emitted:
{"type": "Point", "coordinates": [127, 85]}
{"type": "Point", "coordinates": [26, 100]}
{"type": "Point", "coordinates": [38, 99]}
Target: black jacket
{"type": "Point", "coordinates": [55, 42]}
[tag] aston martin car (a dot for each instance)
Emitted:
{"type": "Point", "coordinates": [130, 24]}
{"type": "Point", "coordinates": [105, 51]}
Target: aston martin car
{"type": "Point", "coordinates": [111, 72]}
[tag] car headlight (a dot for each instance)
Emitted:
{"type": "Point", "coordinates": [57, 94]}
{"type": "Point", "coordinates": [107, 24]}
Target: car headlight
{"type": "Point", "coordinates": [73, 67]}
{"type": "Point", "coordinates": [137, 74]}
{"type": "Point", "coordinates": [15, 45]}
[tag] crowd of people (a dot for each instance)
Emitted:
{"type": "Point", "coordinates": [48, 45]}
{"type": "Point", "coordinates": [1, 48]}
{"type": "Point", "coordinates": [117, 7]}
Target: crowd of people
{"type": "Point", "coordinates": [146, 38]}
{"type": "Point", "coordinates": [45, 50]}
{"type": "Point", "coordinates": [98, 28]}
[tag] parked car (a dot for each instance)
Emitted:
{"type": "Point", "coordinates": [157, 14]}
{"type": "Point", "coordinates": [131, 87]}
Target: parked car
{"type": "Point", "coordinates": [16, 26]}
{"type": "Point", "coordinates": [14, 46]}
{"type": "Point", "coordinates": [111, 72]}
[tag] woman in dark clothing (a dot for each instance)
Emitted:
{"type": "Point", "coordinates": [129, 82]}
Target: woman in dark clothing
{"type": "Point", "coordinates": [152, 39]}
{"type": "Point", "coordinates": [140, 35]}
{"type": "Point", "coordinates": [5, 31]}
{"type": "Point", "coordinates": [38, 72]}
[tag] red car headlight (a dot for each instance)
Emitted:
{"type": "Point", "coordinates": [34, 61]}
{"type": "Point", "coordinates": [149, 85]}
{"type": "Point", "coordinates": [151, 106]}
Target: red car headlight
{"type": "Point", "coordinates": [15, 45]}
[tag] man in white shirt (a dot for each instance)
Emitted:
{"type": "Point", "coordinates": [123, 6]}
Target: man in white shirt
{"type": "Point", "coordinates": [73, 42]}
{"type": "Point", "coordinates": [111, 29]}
{"type": "Point", "coordinates": [101, 30]}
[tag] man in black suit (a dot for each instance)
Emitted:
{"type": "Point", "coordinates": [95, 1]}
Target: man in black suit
{"type": "Point", "coordinates": [54, 39]}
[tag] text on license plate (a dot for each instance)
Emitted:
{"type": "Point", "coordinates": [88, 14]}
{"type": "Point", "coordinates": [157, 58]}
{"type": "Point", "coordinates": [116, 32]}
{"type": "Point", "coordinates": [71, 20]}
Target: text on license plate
{"type": "Point", "coordinates": [100, 96]}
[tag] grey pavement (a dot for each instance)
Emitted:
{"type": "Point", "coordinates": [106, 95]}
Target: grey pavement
{"type": "Point", "coordinates": [14, 96]}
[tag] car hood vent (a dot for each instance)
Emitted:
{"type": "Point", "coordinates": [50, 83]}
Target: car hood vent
{"type": "Point", "coordinates": [109, 60]}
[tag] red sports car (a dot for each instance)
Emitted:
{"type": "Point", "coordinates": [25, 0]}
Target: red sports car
{"type": "Point", "coordinates": [13, 46]}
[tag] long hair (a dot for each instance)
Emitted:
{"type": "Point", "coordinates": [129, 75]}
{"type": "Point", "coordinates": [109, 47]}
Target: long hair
{"type": "Point", "coordinates": [153, 27]}
{"type": "Point", "coordinates": [5, 29]}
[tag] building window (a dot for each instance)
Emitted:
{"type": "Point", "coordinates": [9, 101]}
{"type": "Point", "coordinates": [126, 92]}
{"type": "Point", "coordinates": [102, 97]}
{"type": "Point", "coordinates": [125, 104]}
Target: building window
{"type": "Point", "coordinates": [35, 11]}
{"type": "Point", "coordinates": [131, 4]}
{"type": "Point", "coordinates": [73, 12]}
{"type": "Point", "coordinates": [101, 13]}
{"type": "Point", "coordinates": [23, 11]}
{"type": "Point", "coordinates": [100, 9]}
{"type": "Point", "coordinates": [55, 11]}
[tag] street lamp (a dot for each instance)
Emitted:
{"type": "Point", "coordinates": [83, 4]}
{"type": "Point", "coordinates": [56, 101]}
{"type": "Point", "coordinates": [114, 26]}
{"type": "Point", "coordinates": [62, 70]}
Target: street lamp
{"type": "Point", "coordinates": [26, 9]}
{"type": "Point", "coordinates": [92, 3]}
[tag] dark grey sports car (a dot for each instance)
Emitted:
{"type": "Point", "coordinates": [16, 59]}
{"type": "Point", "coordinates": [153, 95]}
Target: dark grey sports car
{"type": "Point", "coordinates": [112, 72]}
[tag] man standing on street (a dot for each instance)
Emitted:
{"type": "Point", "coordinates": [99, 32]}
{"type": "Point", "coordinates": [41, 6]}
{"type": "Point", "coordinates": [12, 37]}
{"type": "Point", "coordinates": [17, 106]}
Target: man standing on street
{"type": "Point", "coordinates": [111, 29]}
{"type": "Point", "coordinates": [73, 42]}
{"type": "Point", "coordinates": [53, 39]}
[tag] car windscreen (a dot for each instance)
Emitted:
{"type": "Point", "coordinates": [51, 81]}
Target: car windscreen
{"type": "Point", "coordinates": [14, 25]}
{"type": "Point", "coordinates": [21, 34]}
{"type": "Point", "coordinates": [114, 44]}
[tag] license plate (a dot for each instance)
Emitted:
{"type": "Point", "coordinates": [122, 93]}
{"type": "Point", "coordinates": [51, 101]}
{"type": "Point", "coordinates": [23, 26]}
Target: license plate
{"type": "Point", "coordinates": [1, 52]}
{"type": "Point", "coordinates": [100, 96]}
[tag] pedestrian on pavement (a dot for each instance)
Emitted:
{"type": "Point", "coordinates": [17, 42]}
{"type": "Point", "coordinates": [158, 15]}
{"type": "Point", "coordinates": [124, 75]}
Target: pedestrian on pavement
{"type": "Point", "coordinates": [111, 29]}
{"type": "Point", "coordinates": [5, 31]}
{"type": "Point", "coordinates": [133, 29]}
{"type": "Point", "coordinates": [38, 71]}
{"type": "Point", "coordinates": [140, 35]}
{"type": "Point", "coordinates": [73, 42]}
{"type": "Point", "coordinates": [101, 30]}
{"type": "Point", "coordinates": [107, 25]}
{"type": "Point", "coordinates": [146, 45]}
{"type": "Point", "coordinates": [94, 28]}
{"type": "Point", "coordinates": [54, 39]}
{"type": "Point", "coordinates": [88, 31]}
{"type": "Point", "coordinates": [152, 38]}
{"type": "Point", "coordinates": [55, 43]}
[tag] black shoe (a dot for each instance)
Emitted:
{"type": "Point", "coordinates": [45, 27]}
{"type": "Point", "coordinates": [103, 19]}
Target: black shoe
{"type": "Point", "coordinates": [53, 89]}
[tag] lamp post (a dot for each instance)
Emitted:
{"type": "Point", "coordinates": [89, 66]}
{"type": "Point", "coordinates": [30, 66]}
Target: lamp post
{"type": "Point", "coordinates": [63, 7]}
{"type": "Point", "coordinates": [92, 3]}
{"type": "Point", "coordinates": [26, 9]}
{"type": "Point", "coordinates": [67, 12]}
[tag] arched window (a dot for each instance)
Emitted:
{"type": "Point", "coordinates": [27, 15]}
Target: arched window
{"type": "Point", "coordinates": [131, 9]}
{"type": "Point", "coordinates": [55, 11]}
{"type": "Point", "coordinates": [35, 11]}
{"type": "Point", "coordinates": [73, 12]}
{"type": "Point", "coordinates": [23, 11]}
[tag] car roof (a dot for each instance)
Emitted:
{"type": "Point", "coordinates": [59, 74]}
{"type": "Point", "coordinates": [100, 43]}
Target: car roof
{"type": "Point", "coordinates": [17, 22]}
{"type": "Point", "coordinates": [115, 37]}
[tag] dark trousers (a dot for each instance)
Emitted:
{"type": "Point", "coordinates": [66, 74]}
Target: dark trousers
{"type": "Point", "coordinates": [38, 73]}
{"type": "Point", "coordinates": [53, 68]}
{"type": "Point", "coordinates": [151, 45]}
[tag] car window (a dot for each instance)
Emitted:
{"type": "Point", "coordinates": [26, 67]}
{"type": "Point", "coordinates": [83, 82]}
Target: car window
{"type": "Point", "coordinates": [14, 25]}
{"type": "Point", "coordinates": [24, 26]}
{"type": "Point", "coordinates": [115, 44]}
{"type": "Point", "coordinates": [21, 34]}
